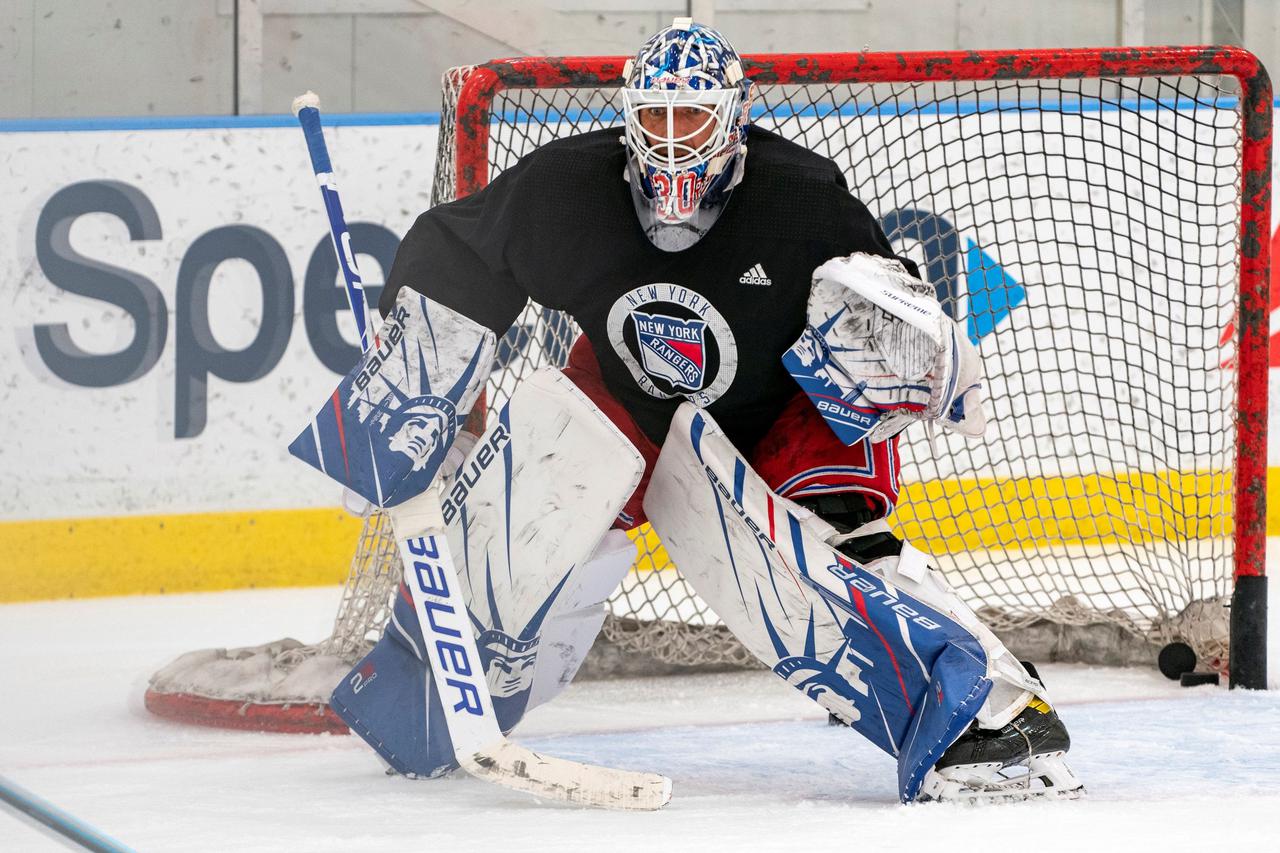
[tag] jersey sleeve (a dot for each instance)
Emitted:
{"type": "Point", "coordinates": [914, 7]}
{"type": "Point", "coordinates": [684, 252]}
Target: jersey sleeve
{"type": "Point", "coordinates": [457, 254]}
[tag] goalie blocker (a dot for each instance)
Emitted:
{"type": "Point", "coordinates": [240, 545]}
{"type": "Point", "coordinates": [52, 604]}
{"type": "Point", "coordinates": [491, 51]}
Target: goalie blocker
{"type": "Point", "coordinates": [388, 426]}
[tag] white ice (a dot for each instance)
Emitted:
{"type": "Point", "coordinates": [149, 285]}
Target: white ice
{"type": "Point", "coordinates": [756, 767]}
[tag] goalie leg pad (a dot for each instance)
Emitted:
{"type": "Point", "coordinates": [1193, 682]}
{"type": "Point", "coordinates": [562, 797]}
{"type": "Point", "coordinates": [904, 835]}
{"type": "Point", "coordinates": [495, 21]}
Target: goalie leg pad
{"type": "Point", "coordinates": [524, 517]}
{"type": "Point", "coordinates": [575, 621]}
{"type": "Point", "coordinates": [905, 675]}
{"type": "Point", "coordinates": [390, 700]}
{"type": "Point", "coordinates": [584, 369]}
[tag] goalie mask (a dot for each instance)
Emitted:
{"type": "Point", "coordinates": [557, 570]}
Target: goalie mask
{"type": "Point", "coordinates": [686, 105]}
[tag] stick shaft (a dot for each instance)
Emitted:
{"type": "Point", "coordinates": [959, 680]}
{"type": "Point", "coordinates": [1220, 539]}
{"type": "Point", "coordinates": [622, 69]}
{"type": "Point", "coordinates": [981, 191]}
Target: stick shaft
{"type": "Point", "coordinates": [418, 526]}
{"type": "Point", "coordinates": [28, 804]}
{"type": "Point", "coordinates": [312, 130]}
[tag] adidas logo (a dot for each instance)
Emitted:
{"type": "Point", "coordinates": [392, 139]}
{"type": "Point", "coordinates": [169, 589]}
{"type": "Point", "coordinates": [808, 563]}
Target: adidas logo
{"type": "Point", "coordinates": [756, 275]}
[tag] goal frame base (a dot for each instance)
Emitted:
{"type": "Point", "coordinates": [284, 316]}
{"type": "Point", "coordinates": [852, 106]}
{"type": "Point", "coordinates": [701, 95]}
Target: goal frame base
{"type": "Point", "coordinates": [283, 718]}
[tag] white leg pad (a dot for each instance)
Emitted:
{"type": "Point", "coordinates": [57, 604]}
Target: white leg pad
{"type": "Point", "coordinates": [526, 514]}
{"type": "Point", "coordinates": [574, 622]}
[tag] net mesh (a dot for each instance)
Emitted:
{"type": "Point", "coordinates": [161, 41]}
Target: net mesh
{"type": "Point", "coordinates": [1085, 233]}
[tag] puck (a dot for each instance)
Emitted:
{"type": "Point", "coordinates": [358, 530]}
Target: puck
{"type": "Point", "coordinates": [1175, 660]}
{"type": "Point", "coordinates": [1195, 679]}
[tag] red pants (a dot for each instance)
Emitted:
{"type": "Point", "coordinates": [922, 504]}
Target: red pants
{"type": "Point", "coordinates": [798, 457]}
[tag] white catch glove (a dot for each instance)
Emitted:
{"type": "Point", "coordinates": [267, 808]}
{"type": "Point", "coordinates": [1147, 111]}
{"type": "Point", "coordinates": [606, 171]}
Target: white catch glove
{"type": "Point", "coordinates": [906, 358]}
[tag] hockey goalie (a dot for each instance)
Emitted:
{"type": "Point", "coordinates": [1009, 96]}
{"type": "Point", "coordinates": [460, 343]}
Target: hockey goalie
{"type": "Point", "coordinates": [751, 348]}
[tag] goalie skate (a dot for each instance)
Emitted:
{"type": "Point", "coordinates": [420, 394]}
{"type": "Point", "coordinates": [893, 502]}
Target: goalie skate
{"type": "Point", "coordinates": [1024, 760]}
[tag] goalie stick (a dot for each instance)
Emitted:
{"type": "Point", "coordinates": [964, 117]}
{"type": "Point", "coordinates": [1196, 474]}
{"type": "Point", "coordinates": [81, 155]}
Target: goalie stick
{"type": "Point", "coordinates": [478, 743]}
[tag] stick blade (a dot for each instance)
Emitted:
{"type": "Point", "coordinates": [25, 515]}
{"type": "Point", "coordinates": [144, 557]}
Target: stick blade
{"type": "Point", "coordinates": [521, 769]}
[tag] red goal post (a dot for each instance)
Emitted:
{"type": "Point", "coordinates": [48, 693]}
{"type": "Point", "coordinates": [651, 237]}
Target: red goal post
{"type": "Point", "coordinates": [472, 145]}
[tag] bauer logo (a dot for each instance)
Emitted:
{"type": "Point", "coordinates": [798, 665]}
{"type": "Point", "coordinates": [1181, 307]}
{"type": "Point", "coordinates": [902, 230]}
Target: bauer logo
{"type": "Point", "coordinates": [442, 621]}
{"type": "Point", "coordinates": [838, 410]}
{"type": "Point", "coordinates": [392, 333]}
{"type": "Point", "coordinates": [860, 580]}
{"type": "Point", "coordinates": [470, 473]}
{"type": "Point", "coordinates": [725, 494]}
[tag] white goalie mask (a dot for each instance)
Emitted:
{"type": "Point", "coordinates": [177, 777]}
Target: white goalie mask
{"type": "Point", "coordinates": [686, 105]}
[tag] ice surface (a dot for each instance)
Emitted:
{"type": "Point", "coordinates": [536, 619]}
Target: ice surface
{"type": "Point", "coordinates": [755, 765]}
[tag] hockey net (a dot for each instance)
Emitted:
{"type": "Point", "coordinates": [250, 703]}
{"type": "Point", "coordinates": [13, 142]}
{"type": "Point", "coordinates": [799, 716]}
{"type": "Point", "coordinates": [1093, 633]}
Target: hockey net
{"type": "Point", "coordinates": [1097, 221]}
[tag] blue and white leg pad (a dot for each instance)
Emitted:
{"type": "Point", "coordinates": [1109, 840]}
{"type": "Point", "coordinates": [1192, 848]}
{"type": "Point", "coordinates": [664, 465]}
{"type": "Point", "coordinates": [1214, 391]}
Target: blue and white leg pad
{"type": "Point", "coordinates": [525, 515]}
{"type": "Point", "coordinates": [385, 430]}
{"type": "Point", "coordinates": [905, 675]}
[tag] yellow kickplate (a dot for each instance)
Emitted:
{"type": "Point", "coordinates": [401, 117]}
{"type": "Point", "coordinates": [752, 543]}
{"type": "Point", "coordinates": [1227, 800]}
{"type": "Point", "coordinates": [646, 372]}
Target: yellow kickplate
{"type": "Point", "coordinates": [88, 557]}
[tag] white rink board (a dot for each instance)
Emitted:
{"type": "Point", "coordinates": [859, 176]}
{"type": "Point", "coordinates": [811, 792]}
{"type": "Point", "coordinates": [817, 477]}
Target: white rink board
{"type": "Point", "coordinates": [112, 450]}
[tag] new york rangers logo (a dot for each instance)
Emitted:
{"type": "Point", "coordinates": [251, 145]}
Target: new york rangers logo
{"type": "Point", "coordinates": [674, 342]}
{"type": "Point", "coordinates": [672, 348]}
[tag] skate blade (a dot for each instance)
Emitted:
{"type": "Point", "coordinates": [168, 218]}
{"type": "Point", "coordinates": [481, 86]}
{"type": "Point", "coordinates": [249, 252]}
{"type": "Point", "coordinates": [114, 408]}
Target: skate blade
{"type": "Point", "coordinates": [1043, 777]}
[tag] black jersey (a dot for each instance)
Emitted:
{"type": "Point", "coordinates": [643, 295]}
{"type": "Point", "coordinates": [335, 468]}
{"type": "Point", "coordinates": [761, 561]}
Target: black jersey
{"type": "Point", "coordinates": [708, 324]}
